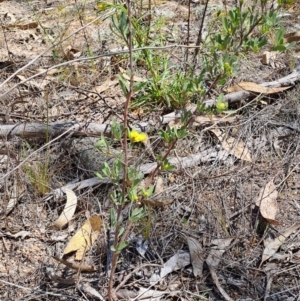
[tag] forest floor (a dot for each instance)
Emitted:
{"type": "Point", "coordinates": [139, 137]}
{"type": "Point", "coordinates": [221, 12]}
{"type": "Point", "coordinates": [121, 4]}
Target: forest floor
{"type": "Point", "coordinates": [207, 216]}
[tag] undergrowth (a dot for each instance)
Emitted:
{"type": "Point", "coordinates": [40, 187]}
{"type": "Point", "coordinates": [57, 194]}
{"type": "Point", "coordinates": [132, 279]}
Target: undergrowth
{"type": "Point", "coordinates": [187, 71]}
{"type": "Point", "coordinates": [204, 67]}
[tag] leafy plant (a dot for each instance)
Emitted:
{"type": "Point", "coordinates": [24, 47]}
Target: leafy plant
{"type": "Point", "coordinates": [279, 42]}
{"type": "Point", "coordinates": [242, 29]}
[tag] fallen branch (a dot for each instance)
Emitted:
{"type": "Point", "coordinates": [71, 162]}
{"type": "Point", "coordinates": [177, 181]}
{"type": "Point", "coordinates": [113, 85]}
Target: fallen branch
{"type": "Point", "coordinates": [289, 80]}
{"type": "Point", "coordinates": [54, 129]}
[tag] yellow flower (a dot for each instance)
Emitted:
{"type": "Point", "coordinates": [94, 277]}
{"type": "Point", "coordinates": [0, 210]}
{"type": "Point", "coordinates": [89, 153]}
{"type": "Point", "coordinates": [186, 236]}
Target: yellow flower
{"type": "Point", "coordinates": [227, 68]}
{"type": "Point", "coordinates": [134, 136]}
{"type": "Point", "coordinates": [221, 106]}
{"type": "Point", "coordinates": [102, 6]}
{"type": "Point", "coordinates": [166, 166]}
{"type": "Point", "coordinates": [146, 194]}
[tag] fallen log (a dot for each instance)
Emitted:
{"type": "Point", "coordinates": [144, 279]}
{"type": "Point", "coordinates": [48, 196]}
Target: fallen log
{"type": "Point", "coordinates": [54, 129]}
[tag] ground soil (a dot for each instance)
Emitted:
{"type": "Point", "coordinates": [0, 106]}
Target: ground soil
{"type": "Point", "coordinates": [212, 199]}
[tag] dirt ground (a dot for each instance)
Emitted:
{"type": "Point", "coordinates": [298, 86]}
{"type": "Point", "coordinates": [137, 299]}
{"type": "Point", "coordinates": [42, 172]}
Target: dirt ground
{"type": "Point", "coordinates": [210, 217]}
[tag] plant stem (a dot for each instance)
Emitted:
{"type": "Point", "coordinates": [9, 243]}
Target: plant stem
{"type": "Point", "coordinates": [111, 293]}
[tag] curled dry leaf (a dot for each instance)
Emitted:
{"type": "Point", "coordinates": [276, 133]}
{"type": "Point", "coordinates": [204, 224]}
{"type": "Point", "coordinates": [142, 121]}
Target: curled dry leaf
{"type": "Point", "coordinates": [23, 234]}
{"type": "Point", "coordinates": [71, 53]}
{"type": "Point", "coordinates": [267, 202]}
{"type": "Point", "coordinates": [196, 256]}
{"type": "Point", "coordinates": [159, 186]}
{"type": "Point", "coordinates": [253, 87]}
{"type": "Point", "coordinates": [176, 262]}
{"type": "Point", "coordinates": [24, 26]}
{"type": "Point", "coordinates": [176, 123]}
{"type": "Point", "coordinates": [135, 78]}
{"type": "Point", "coordinates": [84, 238]}
{"type": "Point", "coordinates": [76, 266]}
{"type": "Point", "coordinates": [274, 244]}
{"type": "Point", "coordinates": [213, 260]}
{"type": "Point", "coordinates": [90, 290]}
{"type": "Point", "coordinates": [110, 82]}
{"type": "Point", "coordinates": [34, 84]}
{"type": "Point", "coordinates": [232, 146]}
{"type": "Point", "coordinates": [214, 257]}
{"type": "Point", "coordinates": [216, 281]}
{"type": "Point", "coordinates": [69, 209]}
{"type": "Point", "coordinates": [292, 36]}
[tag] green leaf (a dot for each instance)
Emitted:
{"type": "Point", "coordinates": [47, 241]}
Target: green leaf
{"type": "Point", "coordinates": [280, 48]}
{"type": "Point", "coordinates": [124, 84]}
{"type": "Point", "coordinates": [136, 214]}
{"type": "Point", "coordinates": [99, 175]}
{"type": "Point", "coordinates": [112, 215]}
{"type": "Point", "coordinates": [121, 232]}
{"type": "Point", "coordinates": [122, 246]}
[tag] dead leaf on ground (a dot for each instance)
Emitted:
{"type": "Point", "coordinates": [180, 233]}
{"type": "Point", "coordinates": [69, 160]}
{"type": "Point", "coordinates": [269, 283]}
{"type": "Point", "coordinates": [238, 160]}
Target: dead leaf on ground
{"type": "Point", "coordinates": [214, 257]}
{"type": "Point", "coordinates": [25, 25]}
{"type": "Point", "coordinates": [71, 53]}
{"type": "Point", "coordinates": [110, 82]}
{"type": "Point", "coordinates": [135, 77]}
{"type": "Point", "coordinates": [23, 234]}
{"type": "Point", "coordinates": [213, 119]}
{"type": "Point", "coordinates": [267, 202]}
{"type": "Point", "coordinates": [176, 123]}
{"type": "Point", "coordinates": [34, 84]}
{"type": "Point", "coordinates": [84, 238]}
{"type": "Point", "coordinates": [213, 260]}
{"type": "Point", "coordinates": [234, 147]}
{"type": "Point", "coordinates": [176, 262]}
{"type": "Point", "coordinates": [292, 36]}
{"type": "Point", "coordinates": [76, 266]}
{"type": "Point", "coordinates": [253, 87]}
{"type": "Point", "coordinates": [196, 256]}
{"type": "Point", "coordinates": [216, 281]}
{"type": "Point", "coordinates": [69, 209]}
{"type": "Point", "coordinates": [159, 186]}
{"type": "Point", "coordinates": [275, 244]}
{"type": "Point", "coordinates": [90, 290]}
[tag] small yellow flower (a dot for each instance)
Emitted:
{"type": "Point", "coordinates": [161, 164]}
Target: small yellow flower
{"type": "Point", "coordinates": [221, 106]}
{"type": "Point", "coordinates": [226, 65]}
{"type": "Point", "coordinates": [134, 136]}
{"type": "Point", "coordinates": [135, 198]}
{"type": "Point", "coordinates": [102, 6]}
{"type": "Point", "coordinates": [166, 166]}
{"type": "Point", "coordinates": [227, 68]}
{"type": "Point", "coordinates": [146, 194]}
